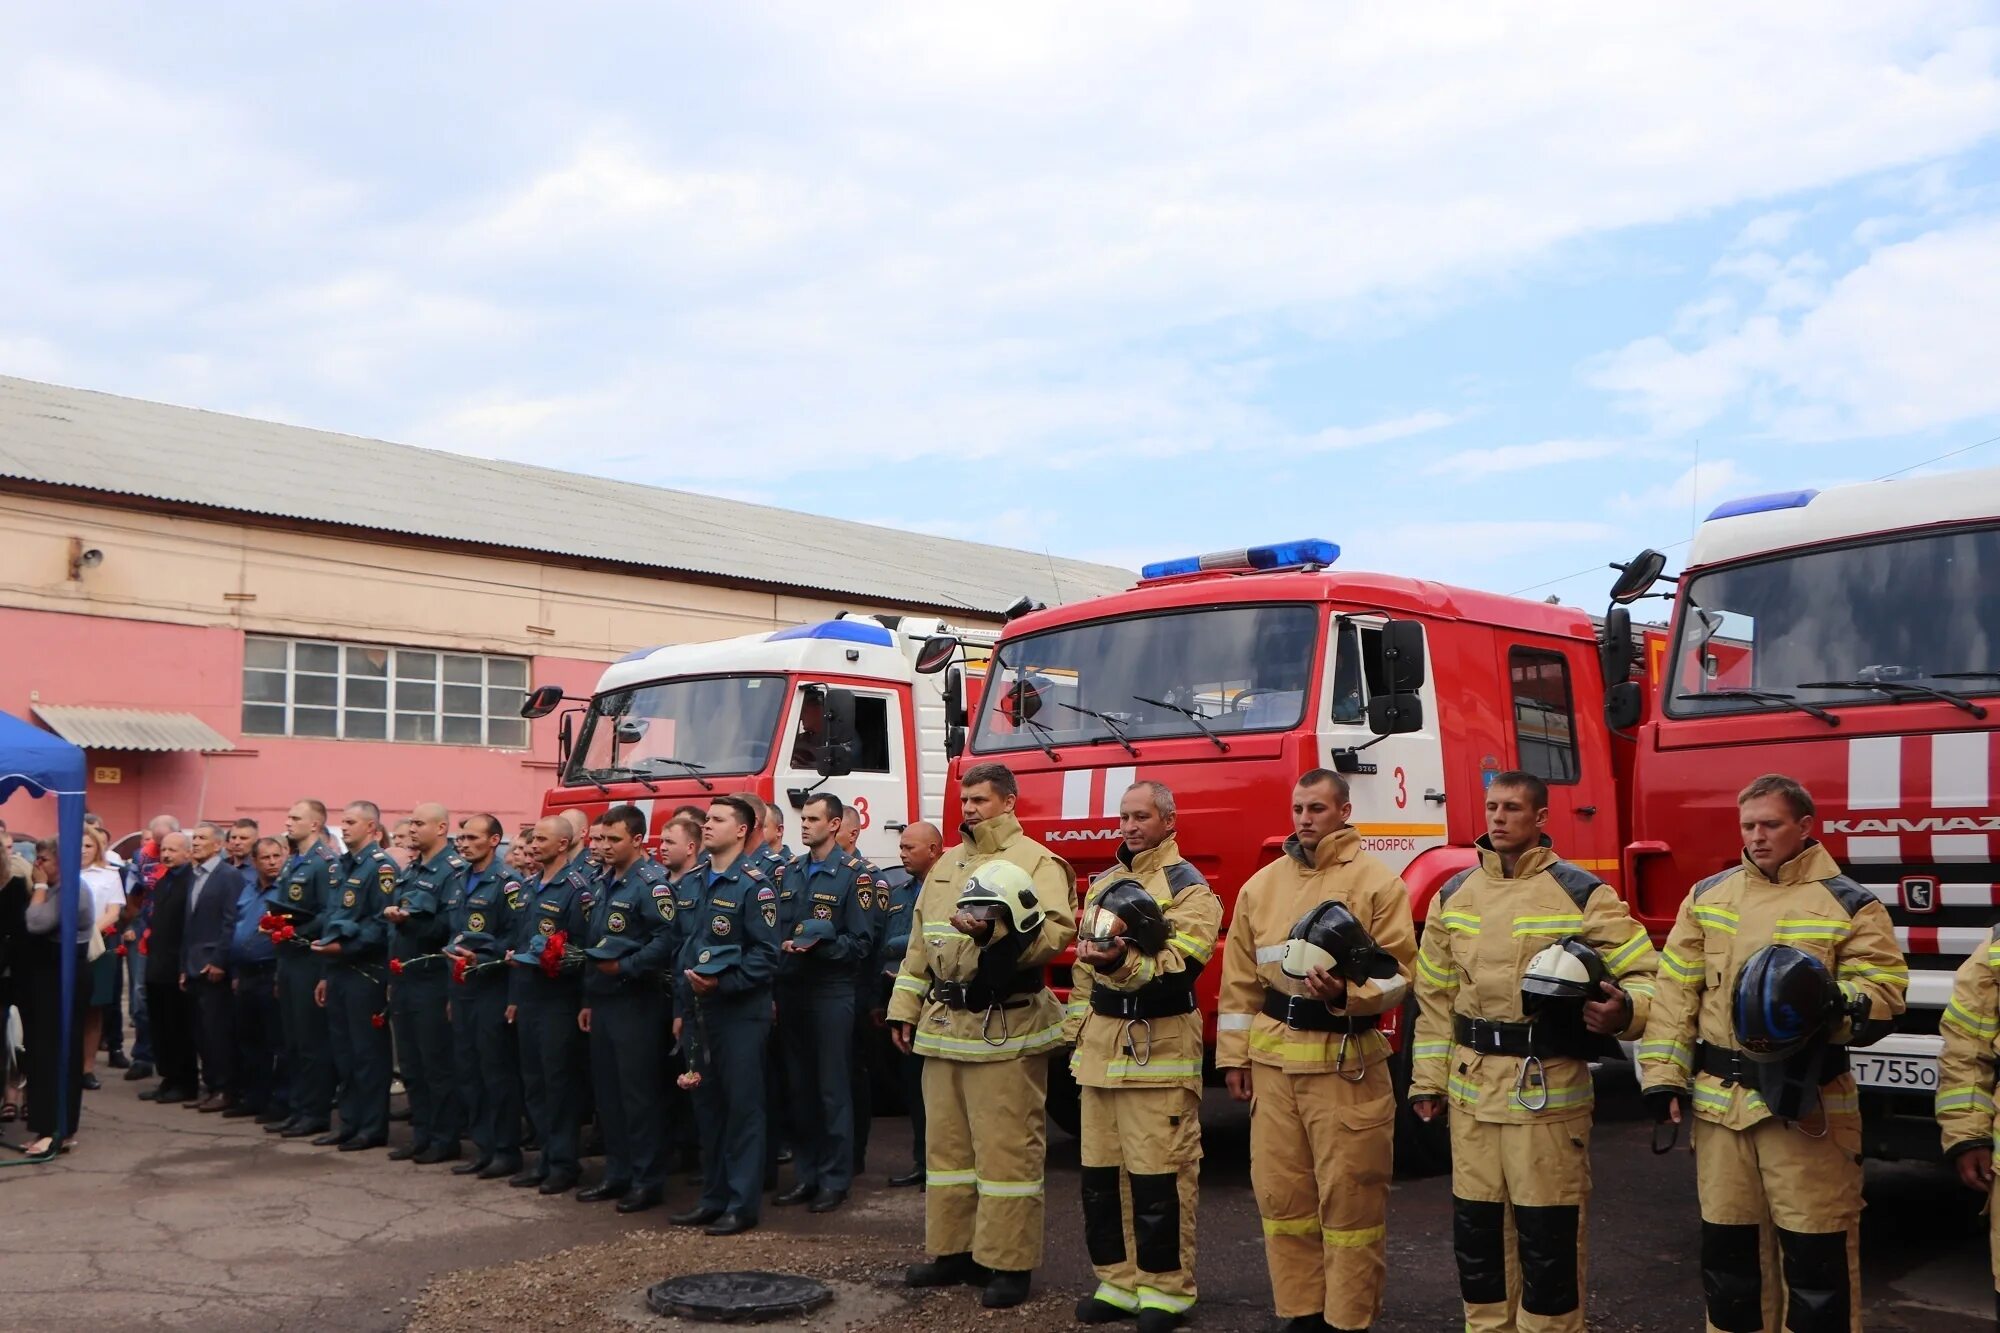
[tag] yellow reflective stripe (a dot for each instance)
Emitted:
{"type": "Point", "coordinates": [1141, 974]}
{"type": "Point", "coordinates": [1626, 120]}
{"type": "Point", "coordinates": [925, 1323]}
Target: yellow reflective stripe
{"type": "Point", "coordinates": [1132, 1069]}
{"type": "Point", "coordinates": [1233, 1022]}
{"type": "Point", "coordinates": [1557, 1098]}
{"type": "Point", "coordinates": [1810, 928]}
{"type": "Point", "coordinates": [1116, 1297]}
{"type": "Point", "coordinates": [1009, 1189]}
{"type": "Point", "coordinates": [1352, 1240]}
{"type": "Point", "coordinates": [1435, 975]}
{"type": "Point", "coordinates": [1461, 1090]}
{"type": "Point", "coordinates": [1668, 1052]}
{"type": "Point", "coordinates": [1672, 967]}
{"type": "Point", "coordinates": [1465, 923]}
{"type": "Point", "coordinates": [948, 1179]}
{"type": "Point", "coordinates": [1143, 973]}
{"type": "Point", "coordinates": [1718, 919]}
{"type": "Point", "coordinates": [1191, 946]}
{"type": "Point", "coordinates": [1558, 924]}
{"type": "Point", "coordinates": [1431, 1050]}
{"type": "Point", "coordinates": [1152, 1298]}
{"type": "Point", "coordinates": [1290, 1226]}
{"type": "Point", "coordinates": [1971, 1024]}
{"type": "Point", "coordinates": [1840, 1103]}
{"type": "Point", "coordinates": [1277, 1043]}
{"type": "Point", "coordinates": [1956, 1099]}
{"type": "Point", "coordinates": [933, 1043]}
{"type": "Point", "coordinates": [1993, 954]}
{"type": "Point", "coordinates": [1076, 1008]}
{"type": "Point", "coordinates": [1888, 976]}
{"type": "Point", "coordinates": [1715, 1099]}
{"type": "Point", "coordinates": [1639, 986]}
{"type": "Point", "coordinates": [910, 985]}
{"type": "Point", "coordinates": [1622, 957]}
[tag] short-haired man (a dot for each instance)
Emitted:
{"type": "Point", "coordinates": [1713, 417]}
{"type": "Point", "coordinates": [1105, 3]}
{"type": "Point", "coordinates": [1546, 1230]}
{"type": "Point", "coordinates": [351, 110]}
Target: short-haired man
{"type": "Point", "coordinates": [727, 914]}
{"type": "Point", "coordinates": [253, 970]}
{"type": "Point", "coordinates": [353, 944]}
{"type": "Point", "coordinates": [630, 943]}
{"type": "Point", "coordinates": [774, 832]}
{"type": "Point", "coordinates": [1310, 1055]}
{"type": "Point", "coordinates": [1520, 1095]}
{"type": "Point", "coordinates": [160, 944]}
{"type": "Point", "coordinates": [917, 849]}
{"type": "Point", "coordinates": [826, 928]}
{"type": "Point", "coordinates": [479, 922]}
{"type": "Point", "coordinates": [1141, 1140]}
{"type": "Point", "coordinates": [419, 921]}
{"type": "Point", "coordinates": [970, 997]}
{"type": "Point", "coordinates": [237, 845]}
{"type": "Point", "coordinates": [1754, 1169]}
{"type": "Point", "coordinates": [213, 894]}
{"type": "Point", "coordinates": [302, 896]}
{"type": "Point", "coordinates": [544, 1003]}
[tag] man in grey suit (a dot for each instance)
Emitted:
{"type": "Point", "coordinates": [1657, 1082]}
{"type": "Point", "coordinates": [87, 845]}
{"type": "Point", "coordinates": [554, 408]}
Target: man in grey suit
{"type": "Point", "coordinates": [213, 891]}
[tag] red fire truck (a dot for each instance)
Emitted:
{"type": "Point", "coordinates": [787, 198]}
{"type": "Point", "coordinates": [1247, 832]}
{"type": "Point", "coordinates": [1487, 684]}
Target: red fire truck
{"type": "Point", "coordinates": [1849, 638]}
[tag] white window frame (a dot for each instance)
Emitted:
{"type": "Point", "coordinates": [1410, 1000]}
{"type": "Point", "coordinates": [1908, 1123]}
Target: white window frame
{"type": "Point", "coordinates": [394, 681]}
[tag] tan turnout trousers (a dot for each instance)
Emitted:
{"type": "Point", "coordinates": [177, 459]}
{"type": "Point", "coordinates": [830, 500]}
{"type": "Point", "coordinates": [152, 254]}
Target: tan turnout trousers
{"type": "Point", "coordinates": [983, 1154]}
{"type": "Point", "coordinates": [1151, 1136]}
{"type": "Point", "coordinates": [1519, 1168]}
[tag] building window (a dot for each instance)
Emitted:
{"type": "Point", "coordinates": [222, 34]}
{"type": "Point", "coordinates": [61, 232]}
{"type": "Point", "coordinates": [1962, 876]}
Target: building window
{"type": "Point", "coordinates": [1544, 726]}
{"type": "Point", "coordinates": [370, 692]}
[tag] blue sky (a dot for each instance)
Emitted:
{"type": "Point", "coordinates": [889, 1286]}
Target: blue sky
{"type": "Point", "coordinates": [1484, 293]}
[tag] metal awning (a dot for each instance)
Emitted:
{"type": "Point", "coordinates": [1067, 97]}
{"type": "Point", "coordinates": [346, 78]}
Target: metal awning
{"type": "Point", "coordinates": [131, 729]}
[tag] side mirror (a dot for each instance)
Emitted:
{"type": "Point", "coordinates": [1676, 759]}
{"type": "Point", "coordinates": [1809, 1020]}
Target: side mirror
{"type": "Point", "coordinates": [1623, 704]}
{"type": "Point", "coordinates": [1395, 714]}
{"type": "Point", "coordinates": [1616, 651]}
{"type": "Point", "coordinates": [954, 742]}
{"type": "Point", "coordinates": [632, 730]}
{"type": "Point", "coordinates": [1403, 656]}
{"type": "Point", "coordinates": [565, 739]}
{"type": "Point", "coordinates": [1021, 606]}
{"type": "Point", "coordinates": [937, 652]}
{"type": "Point", "coordinates": [841, 740]}
{"type": "Point", "coordinates": [954, 699]}
{"type": "Point", "coordinates": [1636, 575]}
{"type": "Point", "coordinates": [541, 701]}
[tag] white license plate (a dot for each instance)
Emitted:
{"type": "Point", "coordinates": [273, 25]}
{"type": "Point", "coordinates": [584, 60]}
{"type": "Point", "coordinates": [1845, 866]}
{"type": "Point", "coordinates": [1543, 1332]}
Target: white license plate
{"type": "Point", "coordinates": [1897, 1073]}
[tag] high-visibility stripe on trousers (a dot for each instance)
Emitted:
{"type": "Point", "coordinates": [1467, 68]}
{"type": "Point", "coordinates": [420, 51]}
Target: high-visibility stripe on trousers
{"type": "Point", "coordinates": [984, 1147]}
{"type": "Point", "coordinates": [1321, 1152]}
{"type": "Point", "coordinates": [1781, 1225]}
{"type": "Point", "coordinates": [1141, 1156]}
{"type": "Point", "coordinates": [1519, 1195]}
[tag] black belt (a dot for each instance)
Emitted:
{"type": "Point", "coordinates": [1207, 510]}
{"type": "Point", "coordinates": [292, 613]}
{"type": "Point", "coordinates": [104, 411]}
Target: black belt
{"type": "Point", "coordinates": [1492, 1037]}
{"type": "Point", "coordinates": [1732, 1066]}
{"type": "Point", "coordinates": [980, 997]}
{"type": "Point", "coordinates": [1140, 1004]}
{"type": "Point", "coordinates": [1309, 1015]}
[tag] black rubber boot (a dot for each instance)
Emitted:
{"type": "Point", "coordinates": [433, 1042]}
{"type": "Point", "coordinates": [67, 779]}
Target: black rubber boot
{"type": "Point", "coordinates": [1006, 1290]}
{"type": "Point", "coordinates": [947, 1270]}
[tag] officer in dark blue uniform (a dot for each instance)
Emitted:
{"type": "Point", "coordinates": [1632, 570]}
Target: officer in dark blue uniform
{"type": "Point", "coordinates": [678, 849]}
{"type": "Point", "coordinates": [870, 1026]}
{"type": "Point", "coordinates": [489, 1073]}
{"type": "Point", "coordinates": [303, 893]}
{"type": "Point", "coordinates": [826, 925]}
{"type": "Point", "coordinates": [918, 848]}
{"type": "Point", "coordinates": [555, 1065]}
{"type": "Point", "coordinates": [421, 987]}
{"type": "Point", "coordinates": [354, 945]}
{"type": "Point", "coordinates": [630, 943]}
{"type": "Point", "coordinates": [727, 901]}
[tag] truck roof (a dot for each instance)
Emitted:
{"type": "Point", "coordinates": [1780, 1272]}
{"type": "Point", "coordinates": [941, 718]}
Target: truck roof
{"type": "Point", "coordinates": [859, 646]}
{"type": "Point", "coordinates": [1760, 524]}
{"type": "Point", "coordinates": [1386, 592]}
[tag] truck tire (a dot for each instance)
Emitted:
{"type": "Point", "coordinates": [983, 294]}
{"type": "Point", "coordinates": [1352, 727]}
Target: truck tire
{"type": "Point", "coordinates": [1421, 1149]}
{"type": "Point", "coordinates": [1065, 1101]}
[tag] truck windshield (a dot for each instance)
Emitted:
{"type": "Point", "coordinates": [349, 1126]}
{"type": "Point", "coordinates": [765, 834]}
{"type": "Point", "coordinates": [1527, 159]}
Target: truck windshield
{"type": "Point", "coordinates": [713, 725]}
{"type": "Point", "coordinates": [1236, 668]}
{"type": "Point", "coordinates": [1887, 620]}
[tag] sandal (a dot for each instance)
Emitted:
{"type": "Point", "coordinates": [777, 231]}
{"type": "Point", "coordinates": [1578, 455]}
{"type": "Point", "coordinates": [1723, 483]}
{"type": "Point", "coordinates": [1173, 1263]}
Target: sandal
{"type": "Point", "coordinates": [41, 1147]}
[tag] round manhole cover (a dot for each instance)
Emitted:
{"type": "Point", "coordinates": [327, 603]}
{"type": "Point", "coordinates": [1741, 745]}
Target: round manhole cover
{"type": "Point", "coordinates": [745, 1298]}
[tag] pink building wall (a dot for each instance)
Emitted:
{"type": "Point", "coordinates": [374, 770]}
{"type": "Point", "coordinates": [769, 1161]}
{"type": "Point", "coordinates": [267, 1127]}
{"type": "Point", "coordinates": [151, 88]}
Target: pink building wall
{"type": "Point", "coordinates": [97, 661]}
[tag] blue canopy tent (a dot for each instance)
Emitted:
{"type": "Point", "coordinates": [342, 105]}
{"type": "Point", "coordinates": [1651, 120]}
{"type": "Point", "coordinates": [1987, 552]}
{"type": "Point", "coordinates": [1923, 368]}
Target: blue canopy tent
{"type": "Point", "coordinates": [42, 764]}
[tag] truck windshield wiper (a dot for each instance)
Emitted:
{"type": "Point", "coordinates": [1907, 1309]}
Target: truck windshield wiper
{"type": "Point", "coordinates": [1200, 724]}
{"type": "Point", "coordinates": [1965, 675]}
{"type": "Point", "coordinates": [694, 769]}
{"type": "Point", "coordinates": [1764, 697]}
{"type": "Point", "coordinates": [1897, 690]}
{"type": "Point", "coordinates": [585, 775]}
{"type": "Point", "coordinates": [1044, 745]}
{"type": "Point", "coordinates": [1109, 725]}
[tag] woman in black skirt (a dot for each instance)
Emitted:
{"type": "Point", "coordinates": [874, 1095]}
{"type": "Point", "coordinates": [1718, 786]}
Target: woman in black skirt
{"type": "Point", "coordinates": [40, 958]}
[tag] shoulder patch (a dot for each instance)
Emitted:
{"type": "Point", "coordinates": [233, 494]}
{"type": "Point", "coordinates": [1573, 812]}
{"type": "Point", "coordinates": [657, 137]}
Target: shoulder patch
{"type": "Point", "coordinates": [1452, 885]}
{"type": "Point", "coordinates": [1705, 885]}
{"type": "Point", "coordinates": [752, 872]}
{"type": "Point", "coordinates": [767, 894]}
{"type": "Point", "coordinates": [1851, 895]}
{"type": "Point", "coordinates": [1577, 882]}
{"type": "Point", "coordinates": [386, 873]}
{"type": "Point", "coordinates": [1182, 875]}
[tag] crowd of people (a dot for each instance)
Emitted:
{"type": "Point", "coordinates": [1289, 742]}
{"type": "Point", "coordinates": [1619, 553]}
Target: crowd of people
{"type": "Point", "coordinates": [722, 999]}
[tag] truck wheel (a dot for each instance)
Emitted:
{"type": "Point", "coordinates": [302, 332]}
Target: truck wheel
{"type": "Point", "coordinates": [1421, 1149]}
{"type": "Point", "coordinates": [1065, 1101]}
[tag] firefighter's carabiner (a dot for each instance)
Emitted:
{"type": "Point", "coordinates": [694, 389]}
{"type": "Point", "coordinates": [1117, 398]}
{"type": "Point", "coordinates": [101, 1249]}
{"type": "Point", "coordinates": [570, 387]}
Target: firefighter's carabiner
{"type": "Point", "coordinates": [1541, 1082]}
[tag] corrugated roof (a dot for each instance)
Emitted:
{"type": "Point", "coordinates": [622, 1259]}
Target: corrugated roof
{"type": "Point", "coordinates": [131, 729]}
{"type": "Point", "coordinates": [77, 437]}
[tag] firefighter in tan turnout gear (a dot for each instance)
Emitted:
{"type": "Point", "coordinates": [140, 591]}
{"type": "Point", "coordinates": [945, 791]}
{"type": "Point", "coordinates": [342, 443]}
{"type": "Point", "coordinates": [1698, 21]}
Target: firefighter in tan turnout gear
{"type": "Point", "coordinates": [1306, 1054]}
{"type": "Point", "coordinates": [1503, 936]}
{"type": "Point", "coordinates": [1776, 1141]}
{"type": "Point", "coordinates": [971, 999]}
{"type": "Point", "coordinates": [1146, 931]}
{"type": "Point", "coordinates": [1971, 1031]}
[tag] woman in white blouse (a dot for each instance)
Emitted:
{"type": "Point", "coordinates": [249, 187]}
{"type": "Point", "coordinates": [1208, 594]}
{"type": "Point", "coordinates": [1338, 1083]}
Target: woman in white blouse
{"type": "Point", "coordinates": [103, 899]}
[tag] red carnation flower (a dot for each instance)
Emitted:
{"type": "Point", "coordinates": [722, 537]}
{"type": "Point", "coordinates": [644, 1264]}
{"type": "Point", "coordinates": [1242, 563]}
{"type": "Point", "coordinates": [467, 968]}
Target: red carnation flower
{"type": "Point", "coordinates": [379, 1020]}
{"type": "Point", "coordinates": [460, 966]}
{"type": "Point", "coordinates": [145, 942]}
{"type": "Point", "coordinates": [121, 951]}
{"type": "Point", "coordinates": [395, 969]}
{"type": "Point", "coordinates": [552, 953]}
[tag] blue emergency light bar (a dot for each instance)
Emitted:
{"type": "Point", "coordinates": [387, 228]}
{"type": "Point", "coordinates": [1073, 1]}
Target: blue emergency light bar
{"type": "Point", "coordinates": [846, 631]}
{"type": "Point", "coordinates": [1762, 504]}
{"type": "Point", "coordinates": [1282, 555]}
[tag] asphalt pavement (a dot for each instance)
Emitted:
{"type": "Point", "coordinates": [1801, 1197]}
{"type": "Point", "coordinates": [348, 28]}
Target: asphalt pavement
{"type": "Point", "coordinates": [165, 1218]}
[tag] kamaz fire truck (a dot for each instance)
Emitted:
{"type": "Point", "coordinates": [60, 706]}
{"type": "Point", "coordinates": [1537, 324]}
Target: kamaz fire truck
{"type": "Point", "coordinates": [837, 703]}
{"type": "Point", "coordinates": [1851, 639]}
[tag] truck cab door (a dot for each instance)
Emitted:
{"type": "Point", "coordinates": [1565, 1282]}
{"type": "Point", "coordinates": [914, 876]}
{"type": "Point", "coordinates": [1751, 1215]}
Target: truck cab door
{"type": "Point", "coordinates": [878, 787]}
{"type": "Point", "coordinates": [1397, 781]}
{"type": "Point", "coordinates": [1542, 680]}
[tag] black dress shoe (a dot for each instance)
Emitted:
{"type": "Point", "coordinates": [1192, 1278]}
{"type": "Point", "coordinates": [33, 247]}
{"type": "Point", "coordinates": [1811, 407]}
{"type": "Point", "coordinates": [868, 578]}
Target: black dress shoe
{"type": "Point", "coordinates": [696, 1216]}
{"type": "Point", "coordinates": [638, 1201]}
{"type": "Point", "coordinates": [472, 1167]}
{"type": "Point", "coordinates": [908, 1178]}
{"type": "Point", "coordinates": [528, 1178]}
{"type": "Point", "coordinates": [827, 1201]}
{"type": "Point", "coordinates": [796, 1194]}
{"type": "Point", "coordinates": [302, 1131]}
{"type": "Point", "coordinates": [241, 1112]}
{"type": "Point", "coordinates": [558, 1182]}
{"type": "Point", "coordinates": [729, 1224]}
{"type": "Point", "coordinates": [405, 1153]}
{"type": "Point", "coordinates": [150, 1095]}
{"type": "Point", "coordinates": [499, 1168]}
{"type": "Point", "coordinates": [604, 1193]}
{"type": "Point", "coordinates": [276, 1126]}
{"type": "Point", "coordinates": [333, 1138]}
{"type": "Point", "coordinates": [279, 1118]}
{"type": "Point", "coordinates": [166, 1096]}
{"type": "Point", "coordinates": [118, 1060]}
{"type": "Point", "coordinates": [91, 1083]}
{"type": "Point", "coordinates": [139, 1070]}
{"type": "Point", "coordinates": [363, 1145]}
{"type": "Point", "coordinates": [438, 1152]}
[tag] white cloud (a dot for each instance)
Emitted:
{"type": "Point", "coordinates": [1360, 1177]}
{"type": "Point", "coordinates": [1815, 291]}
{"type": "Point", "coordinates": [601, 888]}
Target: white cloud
{"type": "Point", "coordinates": [1688, 496]}
{"type": "Point", "coordinates": [1768, 229]}
{"type": "Point", "coordinates": [1475, 464]}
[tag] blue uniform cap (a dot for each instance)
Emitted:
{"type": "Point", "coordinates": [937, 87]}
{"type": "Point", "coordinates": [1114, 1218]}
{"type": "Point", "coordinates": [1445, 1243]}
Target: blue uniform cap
{"type": "Point", "coordinates": [814, 929]}
{"type": "Point", "coordinates": [613, 947]}
{"type": "Point", "coordinates": [417, 902]}
{"type": "Point", "coordinates": [342, 929]}
{"type": "Point", "coordinates": [717, 959]}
